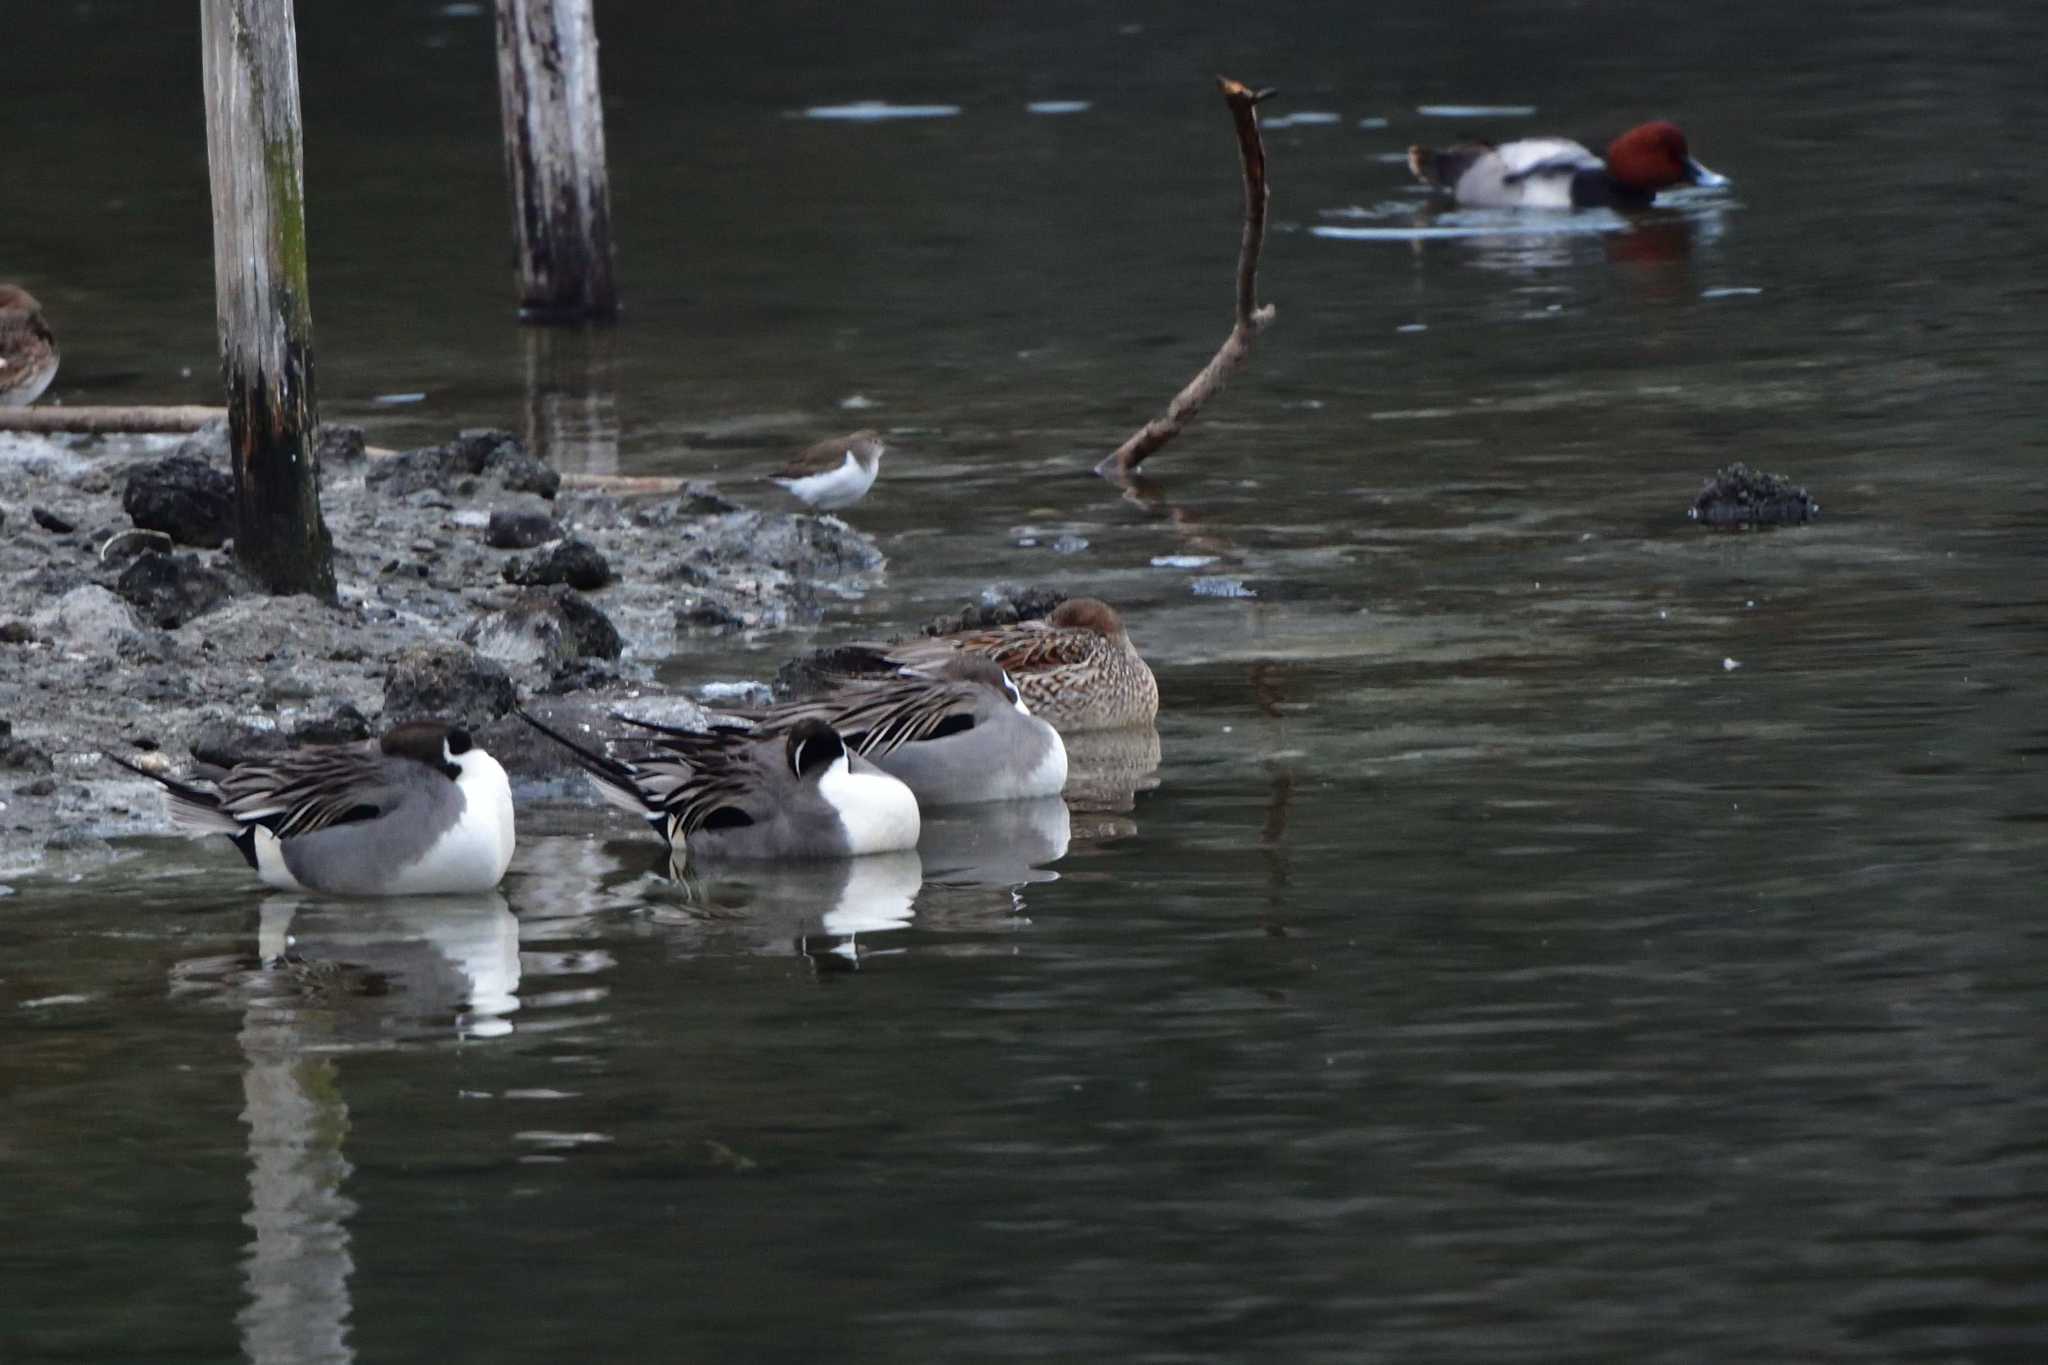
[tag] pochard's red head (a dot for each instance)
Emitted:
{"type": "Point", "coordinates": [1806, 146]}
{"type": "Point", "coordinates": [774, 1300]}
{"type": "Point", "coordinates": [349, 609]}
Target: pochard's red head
{"type": "Point", "coordinates": [1653, 156]}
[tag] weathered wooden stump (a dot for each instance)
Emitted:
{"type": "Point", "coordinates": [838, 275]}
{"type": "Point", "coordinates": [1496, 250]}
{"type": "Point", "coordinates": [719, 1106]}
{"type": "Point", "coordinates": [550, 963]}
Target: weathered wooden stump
{"type": "Point", "coordinates": [253, 152]}
{"type": "Point", "coordinates": [554, 160]}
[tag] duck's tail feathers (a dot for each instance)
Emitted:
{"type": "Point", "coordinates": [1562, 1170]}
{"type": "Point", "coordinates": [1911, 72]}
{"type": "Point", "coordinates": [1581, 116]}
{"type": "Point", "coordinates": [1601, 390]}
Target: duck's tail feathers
{"type": "Point", "coordinates": [613, 780]}
{"type": "Point", "coordinates": [1444, 168]}
{"type": "Point", "coordinates": [193, 810]}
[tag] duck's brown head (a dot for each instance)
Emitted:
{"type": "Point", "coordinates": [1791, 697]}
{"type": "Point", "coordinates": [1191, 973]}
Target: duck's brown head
{"type": "Point", "coordinates": [1650, 157]}
{"type": "Point", "coordinates": [1088, 613]}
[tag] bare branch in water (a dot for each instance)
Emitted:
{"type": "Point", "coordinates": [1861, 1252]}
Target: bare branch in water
{"type": "Point", "coordinates": [1251, 319]}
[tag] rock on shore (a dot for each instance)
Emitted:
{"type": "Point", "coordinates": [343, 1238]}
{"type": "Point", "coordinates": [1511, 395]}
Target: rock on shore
{"type": "Point", "coordinates": [112, 639]}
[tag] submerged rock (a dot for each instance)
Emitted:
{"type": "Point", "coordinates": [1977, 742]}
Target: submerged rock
{"type": "Point", "coordinates": [185, 498]}
{"type": "Point", "coordinates": [446, 682]}
{"type": "Point", "coordinates": [51, 522]}
{"type": "Point", "coordinates": [170, 590]}
{"type": "Point", "coordinates": [1739, 496]}
{"type": "Point", "coordinates": [551, 626]}
{"type": "Point", "coordinates": [577, 563]}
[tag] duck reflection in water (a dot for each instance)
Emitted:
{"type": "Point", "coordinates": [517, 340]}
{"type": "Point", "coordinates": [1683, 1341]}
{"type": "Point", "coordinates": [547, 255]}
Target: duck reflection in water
{"type": "Point", "coordinates": [823, 908]}
{"type": "Point", "coordinates": [428, 960]}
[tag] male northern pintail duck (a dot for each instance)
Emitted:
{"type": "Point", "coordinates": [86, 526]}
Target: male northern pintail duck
{"type": "Point", "coordinates": [1076, 668]}
{"type": "Point", "coordinates": [420, 812]}
{"type": "Point", "coordinates": [834, 473]}
{"type": "Point", "coordinates": [732, 794]}
{"type": "Point", "coordinates": [1556, 173]}
{"type": "Point", "coordinates": [958, 737]}
{"type": "Point", "coordinates": [28, 349]}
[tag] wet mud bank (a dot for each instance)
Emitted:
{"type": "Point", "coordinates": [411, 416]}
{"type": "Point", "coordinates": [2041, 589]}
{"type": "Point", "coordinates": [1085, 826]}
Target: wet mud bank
{"type": "Point", "coordinates": [469, 578]}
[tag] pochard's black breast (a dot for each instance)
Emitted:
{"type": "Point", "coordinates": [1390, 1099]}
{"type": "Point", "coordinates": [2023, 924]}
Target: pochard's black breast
{"type": "Point", "coordinates": [1594, 188]}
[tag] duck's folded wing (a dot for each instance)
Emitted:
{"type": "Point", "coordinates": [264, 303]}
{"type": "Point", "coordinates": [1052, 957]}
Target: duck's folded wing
{"type": "Point", "coordinates": [1037, 651]}
{"type": "Point", "coordinates": [1541, 158]}
{"type": "Point", "coordinates": [318, 788]}
{"type": "Point", "coordinates": [881, 717]}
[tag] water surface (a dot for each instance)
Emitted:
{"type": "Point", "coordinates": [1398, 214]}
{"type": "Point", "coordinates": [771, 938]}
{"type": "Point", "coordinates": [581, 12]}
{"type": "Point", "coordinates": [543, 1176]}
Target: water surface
{"type": "Point", "coordinates": [1552, 931]}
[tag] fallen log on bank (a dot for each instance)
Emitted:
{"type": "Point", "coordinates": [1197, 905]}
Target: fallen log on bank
{"type": "Point", "coordinates": [1123, 462]}
{"type": "Point", "coordinates": [109, 420]}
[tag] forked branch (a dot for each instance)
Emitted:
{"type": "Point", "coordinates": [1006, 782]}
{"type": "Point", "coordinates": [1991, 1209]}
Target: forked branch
{"type": "Point", "coordinates": [1251, 318]}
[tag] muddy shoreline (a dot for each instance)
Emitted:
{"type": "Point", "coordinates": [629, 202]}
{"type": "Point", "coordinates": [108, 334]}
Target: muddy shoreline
{"type": "Point", "coordinates": [467, 577]}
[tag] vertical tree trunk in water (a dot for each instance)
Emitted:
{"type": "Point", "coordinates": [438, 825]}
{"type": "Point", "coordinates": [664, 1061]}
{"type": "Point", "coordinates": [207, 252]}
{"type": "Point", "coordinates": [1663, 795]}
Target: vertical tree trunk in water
{"type": "Point", "coordinates": [554, 160]}
{"type": "Point", "coordinates": [251, 73]}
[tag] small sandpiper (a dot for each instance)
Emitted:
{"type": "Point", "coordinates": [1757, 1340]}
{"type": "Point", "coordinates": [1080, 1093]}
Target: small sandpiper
{"type": "Point", "coordinates": [834, 473]}
{"type": "Point", "coordinates": [420, 812]}
{"type": "Point", "coordinates": [28, 348]}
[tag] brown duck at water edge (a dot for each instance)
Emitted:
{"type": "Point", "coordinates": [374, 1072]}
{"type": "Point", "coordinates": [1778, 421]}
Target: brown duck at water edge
{"type": "Point", "coordinates": [28, 348]}
{"type": "Point", "coordinates": [1076, 668]}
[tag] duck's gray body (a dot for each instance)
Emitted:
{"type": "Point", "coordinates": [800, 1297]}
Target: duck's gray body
{"type": "Point", "coordinates": [419, 812]}
{"type": "Point", "coordinates": [960, 737]}
{"type": "Point", "coordinates": [733, 794]}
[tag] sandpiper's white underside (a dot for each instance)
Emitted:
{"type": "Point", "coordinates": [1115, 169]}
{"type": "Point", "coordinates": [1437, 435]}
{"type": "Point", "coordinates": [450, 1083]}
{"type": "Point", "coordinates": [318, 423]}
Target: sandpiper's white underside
{"type": "Point", "coordinates": [835, 488]}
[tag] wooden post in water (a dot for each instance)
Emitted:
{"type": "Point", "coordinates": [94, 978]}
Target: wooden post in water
{"type": "Point", "coordinates": [554, 160]}
{"type": "Point", "coordinates": [250, 67]}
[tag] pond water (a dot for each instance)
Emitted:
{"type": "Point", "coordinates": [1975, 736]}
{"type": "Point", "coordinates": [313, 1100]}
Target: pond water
{"type": "Point", "coordinates": [1551, 932]}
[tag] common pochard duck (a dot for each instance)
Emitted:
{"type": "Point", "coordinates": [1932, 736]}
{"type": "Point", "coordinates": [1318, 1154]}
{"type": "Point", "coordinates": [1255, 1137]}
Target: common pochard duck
{"type": "Point", "coordinates": [1557, 173]}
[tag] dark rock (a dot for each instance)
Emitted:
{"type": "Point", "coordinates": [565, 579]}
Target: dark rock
{"type": "Point", "coordinates": [209, 443]}
{"type": "Point", "coordinates": [581, 675]}
{"type": "Point", "coordinates": [1000, 605]}
{"type": "Point", "coordinates": [346, 726]}
{"type": "Point", "coordinates": [42, 786]}
{"type": "Point", "coordinates": [170, 590]}
{"type": "Point", "coordinates": [446, 682]}
{"type": "Point", "coordinates": [699, 498]}
{"type": "Point", "coordinates": [577, 563]}
{"type": "Point", "coordinates": [339, 444]}
{"type": "Point", "coordinates": [19, 755]}
{"type": "Point", "coordinates": [147, 647]}
{"type": "Point", "coordinates": [823, 670]}
{"type": "Point", "coordinates": [520, 530]}
{"type": "Point", "coordinates": [1739, 496]}
{"type": "Point", "coordinates": [51, 522]}
{"type": "Point", "coordinates": [225, 743]}
{"type": "Point", "coordinates": [16, 633]}
{"type": "Point", "coordinates": [550, 626]}
{"type": "Point", "coordinates": [462, 465]}
{"type": "Point", "coordinates": [708, 611]}
{"type": "Point", "coordinates": [803, 547]}
{"type": "Point", "coordinates": [185, 498]}
{"type": "Point", "coordinates": [504, 458]}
